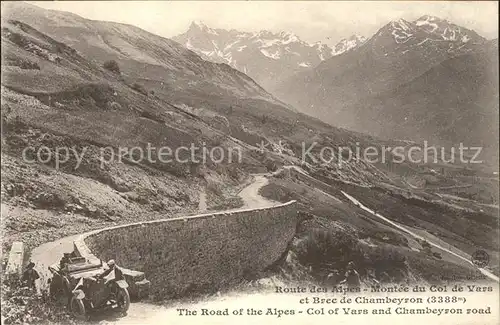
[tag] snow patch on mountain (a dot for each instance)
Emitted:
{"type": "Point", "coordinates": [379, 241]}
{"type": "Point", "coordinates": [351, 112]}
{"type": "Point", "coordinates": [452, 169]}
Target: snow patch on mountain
{"type": "Point", "coordinates": [345, 45]}
{"type": "Point", "coordinates": [422, 42]}
{"type": "Point", "coordinates": [275, 55]}
{"type": "Point", "coordinates": [253, 50]}
{"type": "Point", "coordinates": [451, 34]}
{"type": "Point", "coordinates": [403, 25]}
{"type": "Point", "coordinates": [401, 31]}
{"type": "Point", "coordinates": [227, 47]}
{"type": "Point", "coordinates": [427, 21]}
{"type": "Point", "coordinates": [208, 53]}
{"type": "Point", "coordinates": [441, 29]}
{"type": "Point", "coordinates": [268, 42]}
{"type": "Point", "coordinates": [289, 38]}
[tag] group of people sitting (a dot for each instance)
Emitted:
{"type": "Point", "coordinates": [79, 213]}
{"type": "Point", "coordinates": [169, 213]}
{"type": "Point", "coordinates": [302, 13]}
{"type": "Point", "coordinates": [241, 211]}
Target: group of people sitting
{"type": "Point", "coordinates": [111, 266]}
{"type": "Point", "coordinates": [30, 275]}
{"type": "Point", "coordinates": [351, 277]}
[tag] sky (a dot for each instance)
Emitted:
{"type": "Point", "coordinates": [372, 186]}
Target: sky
{"type": "Point", "coordinates": [326, 21]}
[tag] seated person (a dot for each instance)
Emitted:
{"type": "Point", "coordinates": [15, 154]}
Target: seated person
{"type": "Point", "coordinates": [351, 276]}
{"type": "Point", "coordinates": [112, 268]}
{"type": "Point", "coordinates": [64, 260]}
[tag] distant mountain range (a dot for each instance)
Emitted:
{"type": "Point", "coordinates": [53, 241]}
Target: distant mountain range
{"type": "Point", "coordinates": [153, 60]}
{"type": "Point", "coordinates": [264, 56]}
{"type": "Point", "coordinates": [428, 79]}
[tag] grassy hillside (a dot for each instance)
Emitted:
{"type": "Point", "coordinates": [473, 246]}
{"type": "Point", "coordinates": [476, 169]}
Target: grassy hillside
{"type": "Point", "coordinates": [56, 93]}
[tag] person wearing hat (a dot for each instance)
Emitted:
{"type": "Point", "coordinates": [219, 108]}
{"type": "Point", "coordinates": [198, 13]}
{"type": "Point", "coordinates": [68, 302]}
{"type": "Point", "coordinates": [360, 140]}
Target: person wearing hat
{"type": "Point", "coordinates": [118, 274]}
{"type": "Point", "coordinates": [64, 260]}
{"type": "Point", "coordinates": [351, 276]}
{"type": "Point", "coordinates": [332, 278]}
{"type": "Point", "coordinates": [30, 275]}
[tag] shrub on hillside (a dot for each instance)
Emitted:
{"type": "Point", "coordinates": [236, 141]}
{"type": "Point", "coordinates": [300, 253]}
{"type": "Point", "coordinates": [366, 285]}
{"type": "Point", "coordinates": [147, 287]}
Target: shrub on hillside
{"type": "Point", "coordinates": [434, 270]}
{"type": "Point", "coordinates": [233, 172]}
{"type": "Point", "coordinates": [140, 88]}
{"type": "Point", "coordinates": [389, 237]}
{"type": "Point", "coordinates": [277, 193]}
{"type": "Point", "coordinates": [387, 262]}
{"type": "Point", "coordinates": [271, 165]}
{"type": "Point", "coordinates": [215, 188]}
{"type": "Point", "coordinates": [88, 95]}
{"type": "Point", "coordinates": [29, 65]}
{"type": "Point", "coordinates": [114, 106]}
{"type": "Point", "coordinates": [425, 244]}
{"type": "Point", "coordinates": [112, 66]}
{"type": "Point", "coordinates": [227, 203]}
{"type": "Point", "coordinates": [21, 63]}
{"type": "Point", "coordinates": [22, 306]}
{"type": "Point", "coordinates": [152, 116]}
{"type": "Point", "coordinates": [437, 255]}
{"type": "Point", "coordinates": [323, 247]}
{"type": "Point", "coordinates": [16, 38]}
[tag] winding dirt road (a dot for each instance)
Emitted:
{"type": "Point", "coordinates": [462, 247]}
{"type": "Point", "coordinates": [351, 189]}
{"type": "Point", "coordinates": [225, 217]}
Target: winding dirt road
{"type": "Point", "coordinates": [144, 313]}
{"type": "Point", "coordinates": [139, 313]}
{"type": "Point", "coordinates": [405, 229]}
{"type": "Point", "coordinates": [49, 253]}
{"type": "Point", "coordinates": [251, 197]}
{"type": "Point", "coordinates": [400, 227]}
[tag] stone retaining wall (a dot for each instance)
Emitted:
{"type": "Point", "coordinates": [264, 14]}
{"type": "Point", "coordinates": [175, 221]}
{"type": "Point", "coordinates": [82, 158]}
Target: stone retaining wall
{"type": "Point", "coordinates": [14, 267]}
{"type": "Point", "coordinates": [198, 253]}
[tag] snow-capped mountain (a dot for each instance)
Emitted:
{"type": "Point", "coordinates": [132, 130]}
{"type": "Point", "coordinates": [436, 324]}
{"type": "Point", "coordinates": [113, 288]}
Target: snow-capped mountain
{"type": "Point", "coordinates": [444, 29]}
{"type": "Point", "coordinates": [406, 68]}
{"type": "Point", "coordinates": [347, 44]}
{"type": "Point", "coordinates": [265, 56]}
{"type": "Point", "coordinates": [427, 33]}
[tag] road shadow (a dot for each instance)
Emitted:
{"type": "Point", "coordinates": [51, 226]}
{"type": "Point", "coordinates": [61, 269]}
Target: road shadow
{"type": "Point", "coordinates": [108, 314]}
